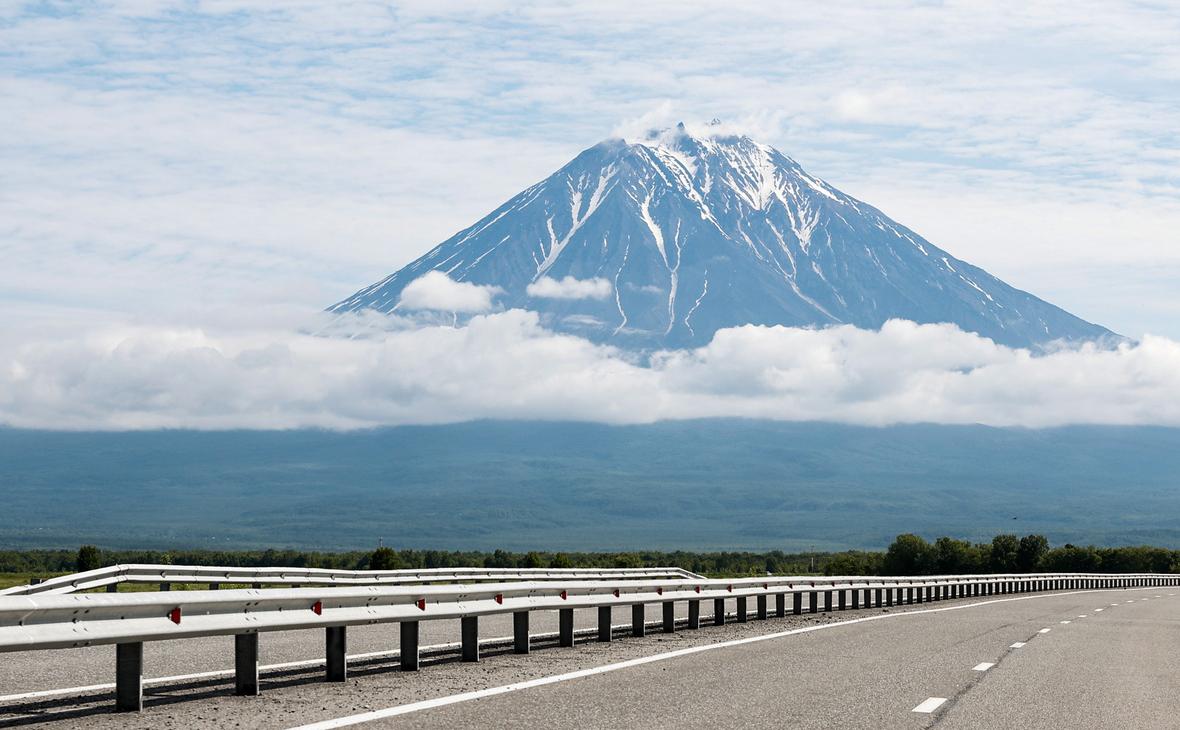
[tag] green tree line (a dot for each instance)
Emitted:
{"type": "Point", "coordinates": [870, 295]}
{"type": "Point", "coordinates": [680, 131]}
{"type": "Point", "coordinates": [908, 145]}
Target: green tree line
{"type": "Point", "coordinates": [908, 555]}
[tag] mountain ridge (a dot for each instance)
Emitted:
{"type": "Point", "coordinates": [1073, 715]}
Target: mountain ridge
{"type": "Point", "coordinates": [694, 234]}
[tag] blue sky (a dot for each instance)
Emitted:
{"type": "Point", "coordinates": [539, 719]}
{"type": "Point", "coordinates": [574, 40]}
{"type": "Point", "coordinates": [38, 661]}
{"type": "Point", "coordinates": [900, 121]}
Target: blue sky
{"type": "Point", "coordinates": [192, 164]}
{"type": "Point", "coordinates": [198, 155]}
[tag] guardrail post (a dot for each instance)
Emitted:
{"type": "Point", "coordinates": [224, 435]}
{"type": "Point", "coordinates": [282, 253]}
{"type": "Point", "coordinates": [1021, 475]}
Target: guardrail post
{"type": "Point", "coordinates": [669, 617]}
{"type": "Point", "coordinates": [335, 654]}
{"type": "Point", "coordinates": [841, 603]}
{"type": "Point", "coordinates": [694, 613]}
{"type": "Point", "coordinates": [878, 596]}
{"type": "Point", "coordinates": [245, 665]}
{"type": "Point", "coordinates": [129, 677]}
{"type": "Point", "coordinates": [813, 602]}
{"type": "Point", "coordinates": [742, 616]}
{"type": "Point", "coordinates": [761, 605]}
{"type": "Point", "coordinates": [469, 638]}
{"type": "Point", "coordinates": [409, 650]}
{"type": "Point", "coordinates": [565, 627]}
{"type": "Point", "coordinates": [214, 586]}
{"type": "Point", "coordinates": [797, 603]}
{"type": "Point", "coordinates": [113, 588]}
{"type": "Point", "coordinates": [520, 632]}
{"type": "Point", "coordinates": [604, 615]}
{"type": "Point", "coordinates": [909, 595]}
{"type": "Point", "coordinates": [638, 624]}
{"type": "Point", "coordinates": [855, 598]}
{"type": "Point", "coordinates": [718, 611]}
{"type": "Point", "coordinates": [827, 601]}
{"type": "Point", "coordinates": [165, 586]}
{"type": "Point", "coordinates": [780, 604]}
{"type": "Point", "coordinates": [256, 586]}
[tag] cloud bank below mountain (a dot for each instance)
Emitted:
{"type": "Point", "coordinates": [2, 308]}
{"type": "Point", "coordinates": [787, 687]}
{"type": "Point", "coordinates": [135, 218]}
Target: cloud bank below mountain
{"type": "Point", "coordinates": [507, 366]}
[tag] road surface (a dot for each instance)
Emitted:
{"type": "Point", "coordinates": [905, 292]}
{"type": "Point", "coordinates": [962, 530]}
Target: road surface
{"type": "Point", "coordinates": [1108, 659]}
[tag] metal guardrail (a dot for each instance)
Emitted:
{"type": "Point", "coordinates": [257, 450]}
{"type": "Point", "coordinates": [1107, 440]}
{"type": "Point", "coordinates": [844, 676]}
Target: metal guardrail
{"type": "Point", "coordinates": [166, 575]}
{"type": "Point", "coordinates": [55, 621]}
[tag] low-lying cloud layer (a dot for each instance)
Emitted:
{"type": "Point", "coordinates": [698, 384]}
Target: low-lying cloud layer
{"type": "Point", "coordinates": [505, 365]}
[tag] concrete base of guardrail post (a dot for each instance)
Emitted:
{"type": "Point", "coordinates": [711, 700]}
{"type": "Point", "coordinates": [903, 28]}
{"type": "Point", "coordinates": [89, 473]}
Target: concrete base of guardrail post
{"type": "Point", "coordinates": [469, 638]}
{"type": "Point", "coordinates": [604, 618]}
{"type": "Point", "coordinates": [520, 632]}
{"type": "Point", "coordinates": [780, 604]}
{"type": "Point", "coordinates": [129, 677]}
{"type": "Point", "coordinates": [718, 611]}
{"type": "Point", "coordinates": [761, 603]}
{"type": "Point", "coordinates": [245, 665]}
{"type": "Point", "coordinates": [336, 654]}
{"type": "Point", "coordinates": [669, 617]}
{"type": "Point", "coordinates": [797, 603]}
{"type": "Point", "coordinates": [409, 648]}
{"type": "Point", "coordinates": [813, 602]}
{"type": "Point", "coordinates": [565, 627]}
{"type": "Point", "coordinates": [638, 623]}
{"type": "Point", "coordinates": [694, 614]}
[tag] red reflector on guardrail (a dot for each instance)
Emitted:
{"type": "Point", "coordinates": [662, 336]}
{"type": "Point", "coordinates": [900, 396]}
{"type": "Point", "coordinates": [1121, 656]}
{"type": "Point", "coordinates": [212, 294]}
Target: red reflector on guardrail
{"type": "Point", "coordinates": [174, 615]}
{"type": "Point", "coordinates": [698, 589]}
{"type": "Point", "coordinates": [659, 590]}
{"type": "Point", "coordinates": [616, 592]}
{"type": "Point", "coordinates": [422, 603]}
{"type": "Point", "coordinates": [318, 607]}
{"type": "Point", "coordinates": [765, 586]}
{"type": "Point", "coordinates": [564, 595]}
{"type": "Point", "coordinates": [729, 588]}
{"type": "Point", "coordinates": [499, 598]}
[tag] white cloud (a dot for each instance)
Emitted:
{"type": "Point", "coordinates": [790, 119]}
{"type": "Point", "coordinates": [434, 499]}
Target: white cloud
{"type": "Point", "coordinates": [570, 288]}
{"type": "Point", "coordinates": [436, 291]}
{"type": "Point", "coordinates": [506, 365]}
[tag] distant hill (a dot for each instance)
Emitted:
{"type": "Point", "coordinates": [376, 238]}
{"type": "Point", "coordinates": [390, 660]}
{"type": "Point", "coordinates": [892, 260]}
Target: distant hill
{"type": "Point", "coordinates": [702, 485]}
{"type": "Point", "coordinates": [662, 241]}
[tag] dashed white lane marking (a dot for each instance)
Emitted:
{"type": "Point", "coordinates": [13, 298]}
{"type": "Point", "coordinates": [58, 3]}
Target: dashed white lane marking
{"type": "Point", "coordinates": [1099, 610]}
{"type": "Point", "coordinates": [983, 666]}
{"type": "Point", "coordinates": [412, 707]}
{"type": "Point", "coordinates": [1044, 631]}
{"type": "Point", "coordinates": [930, 705]}
{"type": "Point", "coordinates": [1065, 622]}
{"type": "Point", "coordinates": [1017, 645]}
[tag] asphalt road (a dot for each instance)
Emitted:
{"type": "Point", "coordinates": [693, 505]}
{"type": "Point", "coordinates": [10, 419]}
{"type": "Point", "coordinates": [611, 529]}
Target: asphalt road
{"type": "Point", "coordinates": [1118, 667]}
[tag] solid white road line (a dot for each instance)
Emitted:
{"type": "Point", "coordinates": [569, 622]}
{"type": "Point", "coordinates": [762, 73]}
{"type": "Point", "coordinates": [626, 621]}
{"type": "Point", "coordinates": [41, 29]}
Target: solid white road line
{"type": "Point", "coordinates": [1017, 645]}
{"type": "Point", "coordinates": [983, 666]}
{"type": "Point", "coordinates": [406, 709]}
{"type": "Point", "coordinates": [930, 705]}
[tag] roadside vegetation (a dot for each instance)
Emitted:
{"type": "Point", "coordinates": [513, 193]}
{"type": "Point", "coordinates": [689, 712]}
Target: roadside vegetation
{"type": "Point", "coordinates": [907, 555]}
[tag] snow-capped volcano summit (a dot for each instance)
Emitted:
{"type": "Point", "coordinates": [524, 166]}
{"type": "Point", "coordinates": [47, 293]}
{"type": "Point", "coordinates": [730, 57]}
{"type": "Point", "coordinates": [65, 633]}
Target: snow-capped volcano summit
{"type": "Point", "coordinates": [664, 240]}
